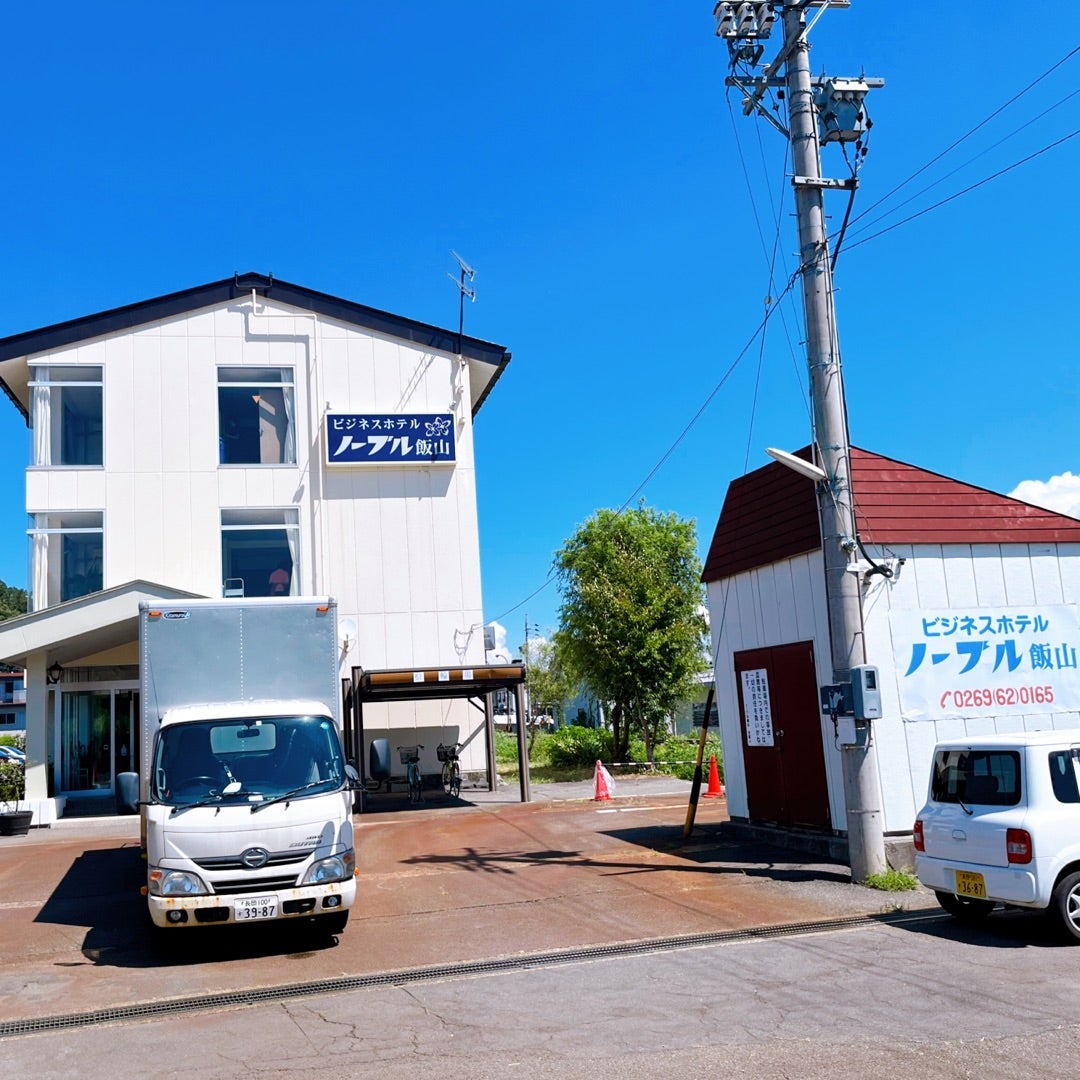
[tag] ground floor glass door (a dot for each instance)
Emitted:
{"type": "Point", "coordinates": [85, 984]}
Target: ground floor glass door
{"type": "Point", "coordinates": [98, 738]}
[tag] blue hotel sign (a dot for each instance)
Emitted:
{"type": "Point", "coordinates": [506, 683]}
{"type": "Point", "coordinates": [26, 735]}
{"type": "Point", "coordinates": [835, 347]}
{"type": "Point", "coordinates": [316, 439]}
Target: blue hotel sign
{"type": "Point", "coordinates": [390, 439]}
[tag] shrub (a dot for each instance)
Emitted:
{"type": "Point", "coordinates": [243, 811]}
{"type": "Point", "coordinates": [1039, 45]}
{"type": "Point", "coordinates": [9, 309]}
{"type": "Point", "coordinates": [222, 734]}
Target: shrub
{"type": "Point", "coordinates": [678, 754]}
{"type": "Point", "coordinates": [578, 747]}
{"type": "Point", "coordinates": [12, 783]}
{"type": "Point", "coordinates": [506, 746]}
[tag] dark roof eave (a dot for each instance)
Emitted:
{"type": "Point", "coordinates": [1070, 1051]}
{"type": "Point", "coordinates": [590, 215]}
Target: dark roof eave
{"type": "Point", "coordinates": [179, 303]}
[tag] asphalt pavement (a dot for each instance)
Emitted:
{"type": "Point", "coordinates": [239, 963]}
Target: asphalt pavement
{"type": "Point", "coordinates": [447, 882]}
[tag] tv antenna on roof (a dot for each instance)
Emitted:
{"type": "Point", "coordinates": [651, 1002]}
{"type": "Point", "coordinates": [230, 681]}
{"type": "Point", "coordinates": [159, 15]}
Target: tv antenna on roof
{"type": "Point", "coordinates": [467, 274]}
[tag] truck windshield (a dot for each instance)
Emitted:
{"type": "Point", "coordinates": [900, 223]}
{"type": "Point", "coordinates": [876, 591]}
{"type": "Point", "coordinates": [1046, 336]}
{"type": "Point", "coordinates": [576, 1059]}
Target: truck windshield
{"type": "Point", "coordinates": [267, 757]}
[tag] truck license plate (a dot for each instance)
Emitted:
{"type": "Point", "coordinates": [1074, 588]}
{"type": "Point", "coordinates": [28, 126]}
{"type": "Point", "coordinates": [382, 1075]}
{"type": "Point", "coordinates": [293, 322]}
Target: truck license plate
{"type": "Point", "coordinates": [969, 884]}
{"type": "Point", "coordinates": [255, 907]}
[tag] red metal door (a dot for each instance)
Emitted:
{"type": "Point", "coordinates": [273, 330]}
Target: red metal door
{"type": "Point", "coordinates": [782, 742]}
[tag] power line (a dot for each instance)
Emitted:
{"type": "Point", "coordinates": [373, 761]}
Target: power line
{"type": "Point", "coordinates": [969, 189]}
{"type": "Point", "coordinates": [963, 138]}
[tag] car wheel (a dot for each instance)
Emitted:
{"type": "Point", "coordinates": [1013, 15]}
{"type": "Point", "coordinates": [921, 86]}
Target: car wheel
{"type": "Point", "coordinates": [965, 908]}
{"type": "Point", "coordinates": [1065, 906]}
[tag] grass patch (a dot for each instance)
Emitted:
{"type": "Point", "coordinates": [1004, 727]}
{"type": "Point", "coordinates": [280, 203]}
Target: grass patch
{"type": "Point", "coordinates": [892, 881]}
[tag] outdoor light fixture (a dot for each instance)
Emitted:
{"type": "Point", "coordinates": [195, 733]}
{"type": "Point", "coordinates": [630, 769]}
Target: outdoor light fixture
{"type": "Point", "coordinates": [52, 676]}
{"type": "Point", "coordinates": [798, 464]}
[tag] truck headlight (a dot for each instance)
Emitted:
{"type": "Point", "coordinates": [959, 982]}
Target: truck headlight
{"type": "Point", "coordinates": [176, 883]}
{"type": "Point", "coordinates": [335, 868]}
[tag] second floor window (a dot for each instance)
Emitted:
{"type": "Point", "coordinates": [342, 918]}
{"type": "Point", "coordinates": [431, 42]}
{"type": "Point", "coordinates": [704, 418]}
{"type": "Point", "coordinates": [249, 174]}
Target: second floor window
{"type": "Point", "coordinates": [260, 552]}
{"type": "Point", "coordinates": [66, 415]}
{"type": "Point", "coordinates": [66, 553]}
{"type": "Point", "coordinates": [256, 416]}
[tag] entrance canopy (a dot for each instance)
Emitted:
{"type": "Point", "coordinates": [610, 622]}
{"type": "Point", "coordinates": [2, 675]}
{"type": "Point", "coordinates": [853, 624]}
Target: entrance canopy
{"type": "Point", "coordinates": [80, 629]}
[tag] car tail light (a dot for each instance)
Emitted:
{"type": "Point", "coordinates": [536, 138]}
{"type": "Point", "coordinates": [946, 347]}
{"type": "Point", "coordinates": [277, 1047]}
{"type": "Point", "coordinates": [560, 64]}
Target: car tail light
{"type": "Point", "coordinates": [1018, 845]}
{"type": "Point", "coordinates": [920, 844]}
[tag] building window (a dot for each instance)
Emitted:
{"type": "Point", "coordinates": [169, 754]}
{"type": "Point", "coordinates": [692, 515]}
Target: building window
{"type": "Point", "coordinates": [66, 556]}
{"type": "Point", "coordinates": [260, 552]}
{"type": "Point", "coordinates": [65, 415]}
{"type": "Point", "coordinates": [7, 719]}
{"type": "Point", "coordinates": [256, 416]}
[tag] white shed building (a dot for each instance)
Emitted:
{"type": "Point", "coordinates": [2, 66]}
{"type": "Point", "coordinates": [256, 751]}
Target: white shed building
{"type": "Point", "coordinates": [970, 612]}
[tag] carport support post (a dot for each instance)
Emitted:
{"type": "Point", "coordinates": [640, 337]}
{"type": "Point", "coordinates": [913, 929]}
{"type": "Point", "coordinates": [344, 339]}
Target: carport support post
{"type": "Point", "coordinates": [523, 743]}
{"type": "Point", "coordinates": [862, 783]}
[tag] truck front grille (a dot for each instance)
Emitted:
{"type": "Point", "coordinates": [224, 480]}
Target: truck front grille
{"type": "Point", "coordinates": [235, 862]}
{"type": "Point", "coordinates": [246, 885]}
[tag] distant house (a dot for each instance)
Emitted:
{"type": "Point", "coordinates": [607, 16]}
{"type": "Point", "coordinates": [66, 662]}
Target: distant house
{"type": "Point", "coordinates": [12, 701]}
{"type": "Point", "coordinates": [970, 612]}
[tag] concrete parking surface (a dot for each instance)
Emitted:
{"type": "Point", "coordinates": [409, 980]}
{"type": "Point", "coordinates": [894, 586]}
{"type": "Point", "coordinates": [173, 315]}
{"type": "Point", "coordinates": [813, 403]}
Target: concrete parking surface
{"type": "Point", "coordinates": [450, 881]}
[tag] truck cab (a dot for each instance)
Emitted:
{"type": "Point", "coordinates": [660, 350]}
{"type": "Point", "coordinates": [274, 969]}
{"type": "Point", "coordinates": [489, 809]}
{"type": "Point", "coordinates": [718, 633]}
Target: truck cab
{"type": "Point", "coordinates": [249, 817]}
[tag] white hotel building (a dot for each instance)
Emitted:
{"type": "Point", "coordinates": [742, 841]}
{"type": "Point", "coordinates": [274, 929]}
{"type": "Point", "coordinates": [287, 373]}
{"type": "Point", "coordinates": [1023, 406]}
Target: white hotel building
{"type": "Point", "coordinates": [236, 438]}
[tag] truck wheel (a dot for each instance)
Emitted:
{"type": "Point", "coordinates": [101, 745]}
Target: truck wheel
{"type": "Point", "coordinates": [333, 924]}
{"type": "Point", "coordinates": [965, 908]}
{"type": "Point", "coordinates": [1065, 907]}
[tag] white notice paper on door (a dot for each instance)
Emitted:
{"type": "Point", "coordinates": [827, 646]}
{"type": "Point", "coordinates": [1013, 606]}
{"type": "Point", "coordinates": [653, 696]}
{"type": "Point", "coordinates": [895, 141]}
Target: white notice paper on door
{"type": "Point", "coordinates": [758, 711]}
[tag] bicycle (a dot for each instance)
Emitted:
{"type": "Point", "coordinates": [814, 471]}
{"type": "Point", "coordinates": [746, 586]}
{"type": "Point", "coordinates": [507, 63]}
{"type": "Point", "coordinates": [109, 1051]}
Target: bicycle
{"type": "Point", "coordinates": [451, 770]}
{"type": "Point", "coordinates": [410, 757]}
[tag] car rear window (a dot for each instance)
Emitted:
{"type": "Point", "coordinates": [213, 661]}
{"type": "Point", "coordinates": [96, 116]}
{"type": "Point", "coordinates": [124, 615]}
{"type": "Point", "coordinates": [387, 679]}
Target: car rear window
{"type": "Point", "coordinates": [1063, 775]}
{"type": "Point", "coordinates": [976, 777]}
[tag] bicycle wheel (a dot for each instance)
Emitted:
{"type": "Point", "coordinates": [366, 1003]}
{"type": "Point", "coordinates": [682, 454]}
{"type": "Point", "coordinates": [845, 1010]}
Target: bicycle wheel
{"type": "Point", "coordinates": [455, 779]}
{"type": "Point", "coordinates": [448, 777]}
{"type": "Point", "coordinates": [416, 785]}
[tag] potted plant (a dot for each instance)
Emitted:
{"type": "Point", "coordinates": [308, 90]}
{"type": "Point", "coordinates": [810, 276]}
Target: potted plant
{"type": "Point", "coordinates": [13, 821]}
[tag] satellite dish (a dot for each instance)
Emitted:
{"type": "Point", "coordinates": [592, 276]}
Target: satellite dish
{"type": "Point", "coordinates": [800, 465]}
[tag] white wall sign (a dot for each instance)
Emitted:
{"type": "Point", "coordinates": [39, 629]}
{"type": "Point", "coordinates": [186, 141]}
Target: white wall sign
{"type": "Point", "coordinates": [756, 706]}
{"type": "Point", "coordinates": [997, 661]}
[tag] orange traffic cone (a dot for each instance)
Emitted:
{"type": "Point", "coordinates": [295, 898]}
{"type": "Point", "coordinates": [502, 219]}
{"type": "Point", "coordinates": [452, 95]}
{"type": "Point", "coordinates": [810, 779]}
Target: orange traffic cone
{"type": "Point", "coordinates": [605, 786]}
{"type": "Point", "coordinates": [716, 790]}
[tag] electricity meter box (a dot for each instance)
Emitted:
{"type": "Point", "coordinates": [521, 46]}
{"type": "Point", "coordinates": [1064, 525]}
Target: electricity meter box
{"type": "Point", "coordinates": [865, 692]}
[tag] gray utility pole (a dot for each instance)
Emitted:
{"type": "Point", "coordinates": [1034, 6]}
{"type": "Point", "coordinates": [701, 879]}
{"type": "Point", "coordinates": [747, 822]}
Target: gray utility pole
{"type": "Point", "coordinates": [836, 103]}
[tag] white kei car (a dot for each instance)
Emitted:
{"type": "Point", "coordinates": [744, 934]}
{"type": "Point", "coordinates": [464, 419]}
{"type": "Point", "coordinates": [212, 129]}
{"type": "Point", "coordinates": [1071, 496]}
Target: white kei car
{"type": "Point", "coordinates": [1001, 824]}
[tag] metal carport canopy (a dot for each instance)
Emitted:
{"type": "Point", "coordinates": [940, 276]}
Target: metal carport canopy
{"type": "Point", "coordinates": [436, 683]}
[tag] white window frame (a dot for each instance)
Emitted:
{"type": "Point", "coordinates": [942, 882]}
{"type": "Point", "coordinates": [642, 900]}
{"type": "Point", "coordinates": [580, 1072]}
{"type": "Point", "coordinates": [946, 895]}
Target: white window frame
{"type": "Point", "coordinates": [46, 435]}
{"type": "Point", "coordinates": [262, 519]}
{"type": "Point", "coordinates": [272, 417]}
{"type": "Point", "coordinates": [46, 579]}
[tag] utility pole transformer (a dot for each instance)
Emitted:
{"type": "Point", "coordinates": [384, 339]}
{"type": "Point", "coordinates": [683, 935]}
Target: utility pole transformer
{"type": "Point", "coordinates": [830, 104]}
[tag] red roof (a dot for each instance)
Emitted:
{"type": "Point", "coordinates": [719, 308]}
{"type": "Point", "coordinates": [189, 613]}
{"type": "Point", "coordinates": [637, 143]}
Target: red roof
{"type": "Point", "coordinates": [771, 514]}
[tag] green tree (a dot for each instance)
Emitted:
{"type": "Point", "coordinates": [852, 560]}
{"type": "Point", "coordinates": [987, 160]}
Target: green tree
{"type": "Point", "coordinates": [547, 680]}
{"type": "Point", "coordinates": [12, 601]}
{"type": "Point", "coordinates": [632, 629]}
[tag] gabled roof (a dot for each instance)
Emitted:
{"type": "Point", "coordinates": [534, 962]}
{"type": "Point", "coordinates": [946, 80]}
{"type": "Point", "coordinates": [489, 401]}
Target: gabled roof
{"type": "Point", "coordinates": [240, 285]}
{"type": "Point", "coordinates": [771, 514]}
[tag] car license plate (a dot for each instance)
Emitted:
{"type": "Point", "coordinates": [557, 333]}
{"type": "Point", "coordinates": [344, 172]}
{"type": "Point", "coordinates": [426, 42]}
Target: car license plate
{"type": "Point", "coordinates": [969, 884]}
{"type": "Point", "coordinates": [255, 907]}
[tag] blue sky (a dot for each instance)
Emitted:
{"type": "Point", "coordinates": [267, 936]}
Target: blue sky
{"type": "Point", "coordinates": [620, 211]}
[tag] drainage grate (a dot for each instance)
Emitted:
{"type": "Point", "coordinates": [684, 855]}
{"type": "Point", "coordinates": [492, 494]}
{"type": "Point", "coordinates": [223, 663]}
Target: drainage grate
{"type": "Point", "coordinates": [270, 994]}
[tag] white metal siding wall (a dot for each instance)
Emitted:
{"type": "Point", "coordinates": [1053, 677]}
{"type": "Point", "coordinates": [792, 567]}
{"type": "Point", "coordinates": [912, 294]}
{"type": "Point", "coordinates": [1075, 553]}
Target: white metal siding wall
{"type": "Point", "coordinates": [772, 605]}
{"type": "Point", "coordinates": [786, 602]}
{"type": "Point", "coordinates": [956, 576]}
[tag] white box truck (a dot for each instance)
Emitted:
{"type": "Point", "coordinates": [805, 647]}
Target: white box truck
{"type": "Point", "coordinates": [245, 796]}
